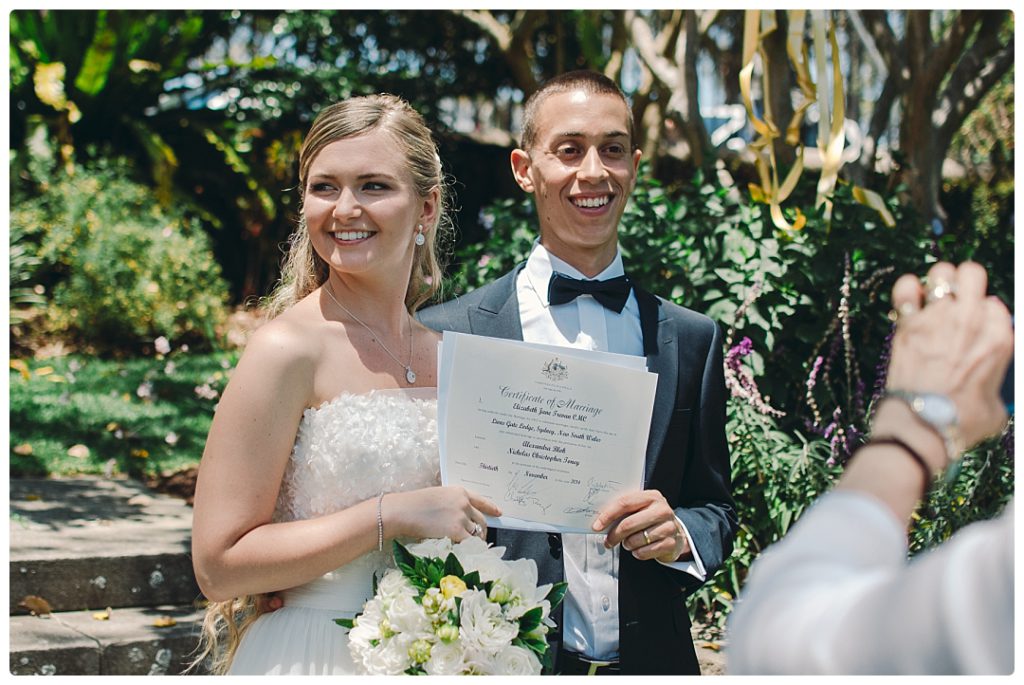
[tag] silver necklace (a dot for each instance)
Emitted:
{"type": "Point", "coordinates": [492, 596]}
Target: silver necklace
{"type": "Point", "coordinates": [409, 374]}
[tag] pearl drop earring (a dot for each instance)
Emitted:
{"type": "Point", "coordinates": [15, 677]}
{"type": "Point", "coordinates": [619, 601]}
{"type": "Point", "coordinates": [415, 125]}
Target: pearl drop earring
{"type": "Point", "coordinates": [420, 238]}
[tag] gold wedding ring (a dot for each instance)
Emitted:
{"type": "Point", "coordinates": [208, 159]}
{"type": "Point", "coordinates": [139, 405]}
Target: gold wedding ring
{"type": "Point", "coordinates": [903, 311]}
{"type": "Point", "coordinates": [647, 538]}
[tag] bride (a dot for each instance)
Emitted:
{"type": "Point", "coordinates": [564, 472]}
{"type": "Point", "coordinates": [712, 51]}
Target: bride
{"type": "Point", "coordinates": [324, 445]}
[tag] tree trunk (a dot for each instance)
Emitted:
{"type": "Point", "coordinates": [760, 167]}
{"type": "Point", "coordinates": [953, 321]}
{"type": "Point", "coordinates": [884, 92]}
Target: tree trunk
{"type": "Point", "coordinates": [691, 122]}
{"type": "Point", "coordinates": [780, 83]}
{"type": "Point", "coordinates": [931, 117]}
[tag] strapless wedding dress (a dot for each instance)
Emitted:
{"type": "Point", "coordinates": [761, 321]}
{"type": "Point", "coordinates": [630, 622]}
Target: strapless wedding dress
{"type": "Point", "coordinates": [347, 450]}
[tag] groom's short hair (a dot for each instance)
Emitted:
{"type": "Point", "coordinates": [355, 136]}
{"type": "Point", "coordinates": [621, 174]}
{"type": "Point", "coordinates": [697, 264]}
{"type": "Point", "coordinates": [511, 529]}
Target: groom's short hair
{"type": "Point", "coordinates": [592, 82]}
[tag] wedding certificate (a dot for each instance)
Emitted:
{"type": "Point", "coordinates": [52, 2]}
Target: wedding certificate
{"type": "Point", "coordinates": [549, 434]}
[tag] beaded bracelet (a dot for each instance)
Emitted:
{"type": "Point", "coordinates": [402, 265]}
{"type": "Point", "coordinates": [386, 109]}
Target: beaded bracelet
{"type": "Point", "coordinates": [380, 524]}
{"type": "Point", "coordinates": [911, 452]}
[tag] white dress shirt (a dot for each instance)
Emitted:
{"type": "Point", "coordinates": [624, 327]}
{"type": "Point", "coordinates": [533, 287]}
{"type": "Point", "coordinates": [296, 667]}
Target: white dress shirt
{"type": "Point", "coordinates": [837, 596]}
{"type": "Point", "coordinates": [590, 615]}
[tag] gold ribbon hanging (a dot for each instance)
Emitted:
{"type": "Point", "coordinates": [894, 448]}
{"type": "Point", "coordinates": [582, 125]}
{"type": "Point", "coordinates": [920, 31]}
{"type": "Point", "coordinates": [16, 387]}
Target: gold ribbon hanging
{"type": "Point", "coordinates": [870, 198]}
{"type": "Point", "coordinates": [832, 114]}
{"type": "Point", "coordinates": [831, 134]}
{"type": "Point", "coordinates": [756, 26]}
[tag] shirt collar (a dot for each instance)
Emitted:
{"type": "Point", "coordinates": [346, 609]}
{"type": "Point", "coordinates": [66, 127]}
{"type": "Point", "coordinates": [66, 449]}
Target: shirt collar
{"type": "Point", "coordinates": [541, 264]}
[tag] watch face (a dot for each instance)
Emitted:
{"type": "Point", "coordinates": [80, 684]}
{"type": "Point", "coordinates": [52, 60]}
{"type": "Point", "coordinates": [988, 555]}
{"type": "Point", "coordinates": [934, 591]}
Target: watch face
{"type": "Point", "coordinates": [938, 410]}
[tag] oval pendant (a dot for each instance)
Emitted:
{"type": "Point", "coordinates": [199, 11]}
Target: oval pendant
{"type": "Point", "coordinates": [409, 375]}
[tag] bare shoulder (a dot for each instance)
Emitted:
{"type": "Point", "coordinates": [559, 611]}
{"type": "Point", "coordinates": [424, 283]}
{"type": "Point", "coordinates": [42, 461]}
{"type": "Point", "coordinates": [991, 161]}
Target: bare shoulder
{"type": "Point", "coordinates": [286, 340]}
{"type": "Point", "coordinates": [283, 353]}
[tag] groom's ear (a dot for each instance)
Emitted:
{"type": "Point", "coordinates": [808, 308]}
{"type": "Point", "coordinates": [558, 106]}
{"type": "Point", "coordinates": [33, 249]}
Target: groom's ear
{"type": "Point", "coordinates": [521, 165]}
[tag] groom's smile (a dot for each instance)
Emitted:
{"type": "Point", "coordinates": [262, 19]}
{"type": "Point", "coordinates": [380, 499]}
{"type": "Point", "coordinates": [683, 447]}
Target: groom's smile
{"type": "Point", "coordinates": [581, 170]}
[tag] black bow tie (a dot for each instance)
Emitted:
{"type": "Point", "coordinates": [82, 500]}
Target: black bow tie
{"type": "Point", "coordinates": [612, 293]}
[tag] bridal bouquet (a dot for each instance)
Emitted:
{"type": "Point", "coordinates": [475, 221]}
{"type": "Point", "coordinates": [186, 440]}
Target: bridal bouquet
{"type": "Point", "coordinates": [455, 608]}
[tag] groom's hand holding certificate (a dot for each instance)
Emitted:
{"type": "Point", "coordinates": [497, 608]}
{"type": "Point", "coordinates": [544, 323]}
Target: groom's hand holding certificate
{"type": "Point", "coordinates": [646, 525]}
{"type": "Point", "coordinates": [554, 436]}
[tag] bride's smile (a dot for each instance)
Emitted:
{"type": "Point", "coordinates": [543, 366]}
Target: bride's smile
{"type": "Point", "coordinates": [361, 206]}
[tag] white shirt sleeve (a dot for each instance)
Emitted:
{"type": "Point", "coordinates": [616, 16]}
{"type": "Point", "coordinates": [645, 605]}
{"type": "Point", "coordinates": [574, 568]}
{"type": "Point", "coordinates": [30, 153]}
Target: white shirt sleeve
{"type": "Point", "coordinates": [838, 596]}
{"type": "Point", "coordinates": [695, 567]}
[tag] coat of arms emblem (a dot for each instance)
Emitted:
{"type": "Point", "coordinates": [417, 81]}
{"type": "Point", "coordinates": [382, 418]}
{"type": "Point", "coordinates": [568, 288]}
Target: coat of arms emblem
{"type": "Point", "coordinates": [555, 370]}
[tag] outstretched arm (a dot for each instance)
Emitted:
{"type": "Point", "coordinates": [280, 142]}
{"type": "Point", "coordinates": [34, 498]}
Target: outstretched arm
{"type": "Point", "coordinates": [837, 595]}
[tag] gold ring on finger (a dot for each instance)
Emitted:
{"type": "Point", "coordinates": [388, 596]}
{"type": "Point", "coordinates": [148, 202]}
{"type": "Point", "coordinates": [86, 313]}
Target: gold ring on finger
{"type": "Point", "coordinates": [647, 538]}
{"type": "Point", "coordinates": [902, 311]}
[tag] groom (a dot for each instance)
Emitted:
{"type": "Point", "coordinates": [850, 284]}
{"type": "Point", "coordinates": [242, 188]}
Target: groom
{"type": "Point", "coordinates": [625, 611]}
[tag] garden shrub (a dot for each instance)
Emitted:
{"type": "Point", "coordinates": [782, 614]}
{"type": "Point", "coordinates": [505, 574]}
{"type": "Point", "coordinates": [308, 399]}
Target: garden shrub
{"type": "Point", "coordinates": [120, 269]}
{"type": "Point", "coordinates": [805, 320]}
{"type": "Point", "coordinates": [24, 264]}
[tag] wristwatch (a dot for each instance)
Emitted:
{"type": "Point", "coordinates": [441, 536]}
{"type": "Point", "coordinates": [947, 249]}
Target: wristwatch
{"type": "Point", "coordinates": [938, 412]}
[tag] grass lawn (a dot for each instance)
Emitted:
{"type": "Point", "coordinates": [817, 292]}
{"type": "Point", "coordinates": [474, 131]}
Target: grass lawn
{"type": "Point", "coordinates": [142, 416]}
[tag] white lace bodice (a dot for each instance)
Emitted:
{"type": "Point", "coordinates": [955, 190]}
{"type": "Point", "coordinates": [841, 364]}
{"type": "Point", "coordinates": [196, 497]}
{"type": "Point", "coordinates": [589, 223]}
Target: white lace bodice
{"type": "Point", "coordinates": [348, 450]}
{"type": "Point", "coordinates": [354, 447]}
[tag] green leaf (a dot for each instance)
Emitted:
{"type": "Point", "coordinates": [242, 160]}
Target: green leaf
{"type": "Point", "coordinates": [346, 623]}
{"type": "Point", "coordinates": [406, 562]}
{"type": "Point", "coordinates": [531, 620]}
{"type": "Point", "coordinates": [434, 571]}
{"type": "Point", "coordinates": [99, 58]}
{"type": "Point", "coordinates": [452, 567]}
{"type": "Point", "coordinates": [472, 581]}
{"type": "Point", "coordinates": [556, 594]}
{"type": "Point", "coordinates": [535, 644]}
{"type": "Point", "coordinates": [547, 662]}
{"type": "Point", "coordinates": [729, 275]}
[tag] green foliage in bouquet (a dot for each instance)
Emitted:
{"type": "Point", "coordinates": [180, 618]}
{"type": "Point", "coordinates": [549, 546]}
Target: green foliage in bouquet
{"type": "Point", "coordinates": [439, 588]}
{"type": "Point", "coordinates": [120, 268]}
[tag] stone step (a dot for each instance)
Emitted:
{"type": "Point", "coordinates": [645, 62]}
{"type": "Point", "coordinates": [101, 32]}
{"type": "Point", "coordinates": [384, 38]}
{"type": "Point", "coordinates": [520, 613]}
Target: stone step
{"type": "Point", "coordinates": [129, 642]}
{"type": "Point", "coordinates": [89, 543]}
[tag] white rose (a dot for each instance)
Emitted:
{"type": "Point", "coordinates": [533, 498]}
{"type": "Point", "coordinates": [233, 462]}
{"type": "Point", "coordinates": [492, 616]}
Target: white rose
{"type": "Point", "coordinates": [470, 546]}
{"type": "Point", "coordinates": [408, 617]}
{"type": "Point", "coordinates": [360, 648]}
{"type": "Point", "coordinates": [516, 661]}
{"type": "Point", "coordinates": [482, 624]}
{"type": "Point", "coordinates": [431, 547]}
{"type": "Point", "coordinates": [477, 661]}
{"type": "Point", "coordinates": [367, 626]}
{"type": "Point", "coordinates": [393, 584]}
{"type": "Point", "coordinates": [391, 657]}
{"type": "Point", "coordinates": [474, 555]}
{"type": "Point", "coordinates": [445, 659]}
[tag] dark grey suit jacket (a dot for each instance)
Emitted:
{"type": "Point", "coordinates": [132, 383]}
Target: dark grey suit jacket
{"type": "Point", "coordinates": [687, 460]}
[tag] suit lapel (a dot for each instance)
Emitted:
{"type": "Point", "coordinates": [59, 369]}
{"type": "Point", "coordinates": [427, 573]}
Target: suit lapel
{"type": "Point", "coordinates": [497, 315]}
{"type": "Point", "coordinates": [660, 348]}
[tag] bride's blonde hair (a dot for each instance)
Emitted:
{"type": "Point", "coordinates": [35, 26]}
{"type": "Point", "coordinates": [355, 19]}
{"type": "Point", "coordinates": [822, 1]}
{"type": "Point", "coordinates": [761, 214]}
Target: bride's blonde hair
{"type": "Point", "coordinates": [223, 627]}
{"type": "Point", "coordinates": [304, 271]}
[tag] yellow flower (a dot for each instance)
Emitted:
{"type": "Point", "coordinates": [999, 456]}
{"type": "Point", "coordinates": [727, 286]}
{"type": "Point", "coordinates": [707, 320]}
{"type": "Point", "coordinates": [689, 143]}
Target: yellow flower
{"type": "Point", "coordinates": [452, 586]}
